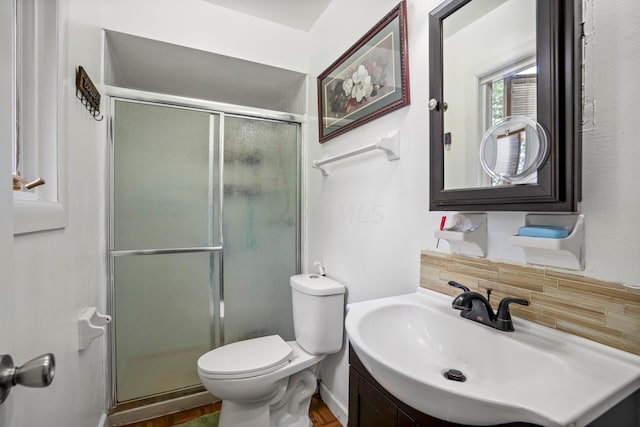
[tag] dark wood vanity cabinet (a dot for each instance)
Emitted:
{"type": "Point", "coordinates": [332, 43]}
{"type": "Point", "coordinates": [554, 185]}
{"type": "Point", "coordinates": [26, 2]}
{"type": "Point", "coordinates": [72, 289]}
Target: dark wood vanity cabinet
{"type": "Point", "coordinates": [373, 408]}
{"type": "Point", "coordinates": [370, 405]}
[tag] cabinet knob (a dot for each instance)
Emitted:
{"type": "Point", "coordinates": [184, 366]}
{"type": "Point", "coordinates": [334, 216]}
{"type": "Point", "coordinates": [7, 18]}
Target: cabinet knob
{"type": "Point", "coordinates": [435, 105]}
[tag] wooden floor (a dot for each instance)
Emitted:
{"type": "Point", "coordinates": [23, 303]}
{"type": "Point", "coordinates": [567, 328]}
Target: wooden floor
{"type": "Point", "coordinates": [318, 413]}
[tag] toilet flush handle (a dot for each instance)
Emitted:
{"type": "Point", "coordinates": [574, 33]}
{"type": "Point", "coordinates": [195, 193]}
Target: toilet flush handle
{"type": "Point", "coordinates": [37, 372]}
{"type": "Point", "coordinates": [320, 267]}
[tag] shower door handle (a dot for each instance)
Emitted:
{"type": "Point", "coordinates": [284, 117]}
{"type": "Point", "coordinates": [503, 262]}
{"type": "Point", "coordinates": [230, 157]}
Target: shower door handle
{"type": "Point", "coordinates": [37, 372]}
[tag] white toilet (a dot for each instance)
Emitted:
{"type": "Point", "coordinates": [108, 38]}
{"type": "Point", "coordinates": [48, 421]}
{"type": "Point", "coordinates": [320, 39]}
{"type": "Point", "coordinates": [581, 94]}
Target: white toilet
{"type": "Point", "coordinates": [267, 382]}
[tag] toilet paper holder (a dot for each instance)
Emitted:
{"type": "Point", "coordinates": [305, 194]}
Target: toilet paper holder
{"type": "Point", "coordinates": [91, 325]}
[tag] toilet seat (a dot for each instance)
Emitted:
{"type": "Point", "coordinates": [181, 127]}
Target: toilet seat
{"type": "Point", "coordinates": [245, 359]}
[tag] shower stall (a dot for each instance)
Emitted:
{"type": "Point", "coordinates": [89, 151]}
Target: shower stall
{"type": "Point", "coordinates": [204, 232]}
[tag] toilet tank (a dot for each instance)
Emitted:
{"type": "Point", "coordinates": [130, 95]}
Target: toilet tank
{"type": "Point", "coordinates": [318, 313]}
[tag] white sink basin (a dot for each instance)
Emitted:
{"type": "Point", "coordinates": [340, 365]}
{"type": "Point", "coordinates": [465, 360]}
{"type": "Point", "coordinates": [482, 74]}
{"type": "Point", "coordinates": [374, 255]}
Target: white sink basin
{"type": "Point", "coordinates": [535, 374]}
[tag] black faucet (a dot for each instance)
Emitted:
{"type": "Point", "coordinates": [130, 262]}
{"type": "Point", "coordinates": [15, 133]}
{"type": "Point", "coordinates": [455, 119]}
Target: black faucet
{"type": "Point", "coordinates": [476, 307]}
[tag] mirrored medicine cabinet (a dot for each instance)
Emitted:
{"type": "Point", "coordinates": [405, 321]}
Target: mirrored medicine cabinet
{"type": "Point", "coordinates": [515, 66]}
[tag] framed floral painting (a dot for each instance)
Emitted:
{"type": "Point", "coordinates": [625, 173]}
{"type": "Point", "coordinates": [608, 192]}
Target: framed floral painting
{"type": "Point", "coordinates": [369, 80]}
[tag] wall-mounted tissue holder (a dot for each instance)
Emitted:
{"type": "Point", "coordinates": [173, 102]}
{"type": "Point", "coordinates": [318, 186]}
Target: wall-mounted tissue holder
{"type": "Point", "coordinates": [90, 326]}
{"type": "Point", "coordinates": [566, 252]}
{"type": "Point", "coordinates": [471, 242]}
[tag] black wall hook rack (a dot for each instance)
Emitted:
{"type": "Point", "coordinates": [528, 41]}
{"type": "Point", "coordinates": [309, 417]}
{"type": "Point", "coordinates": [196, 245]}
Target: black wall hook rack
{"type": "Point", "coordinates": [87, 93]}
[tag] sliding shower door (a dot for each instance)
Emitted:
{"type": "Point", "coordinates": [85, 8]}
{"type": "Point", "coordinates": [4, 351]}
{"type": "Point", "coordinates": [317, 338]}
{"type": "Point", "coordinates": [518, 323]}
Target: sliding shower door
{"type": "Point", "coordinates": [164, 238]}
{"type": "Point", "coordinates": [261, 217]}
{"type": "Point", "coordinates": [205, 214]}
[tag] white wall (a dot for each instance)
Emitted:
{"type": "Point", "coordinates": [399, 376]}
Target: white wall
{"type": "Point", "coordinates": [58, 273]}
{"type": "Point", "coordinates": [369, 219]}
{"type": "Point", "coordinates": [201, 25]}
{"type": "Point", "coordinates": [366, 220]}
{"type": "Point", "coordinates": [611, 151]}
{"type": "Point", "coordinates": [7, 307]}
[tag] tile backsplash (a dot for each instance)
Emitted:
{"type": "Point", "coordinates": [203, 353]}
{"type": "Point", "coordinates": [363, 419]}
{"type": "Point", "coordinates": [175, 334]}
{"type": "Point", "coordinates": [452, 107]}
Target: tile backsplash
{"type": "Point", "coordinates": [601, 311]}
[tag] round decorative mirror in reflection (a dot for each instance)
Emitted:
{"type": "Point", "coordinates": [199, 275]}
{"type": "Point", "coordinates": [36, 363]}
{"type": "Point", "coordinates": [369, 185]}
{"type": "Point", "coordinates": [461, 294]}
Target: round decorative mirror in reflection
{"type": "Point", "coordinates": [513, 149]}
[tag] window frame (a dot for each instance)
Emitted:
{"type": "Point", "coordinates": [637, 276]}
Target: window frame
{"type": "Point", "coordinates": [35, 130]}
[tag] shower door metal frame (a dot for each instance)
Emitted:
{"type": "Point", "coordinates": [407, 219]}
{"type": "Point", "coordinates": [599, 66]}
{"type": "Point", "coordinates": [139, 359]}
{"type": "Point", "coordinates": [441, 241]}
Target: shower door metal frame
{"type": "Point", "coordinates": [221, 110]}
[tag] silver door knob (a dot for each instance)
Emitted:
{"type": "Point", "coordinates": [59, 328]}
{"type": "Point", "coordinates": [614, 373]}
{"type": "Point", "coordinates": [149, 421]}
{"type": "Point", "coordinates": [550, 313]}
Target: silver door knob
{"type": "Point", "coordinates": [37, 372]}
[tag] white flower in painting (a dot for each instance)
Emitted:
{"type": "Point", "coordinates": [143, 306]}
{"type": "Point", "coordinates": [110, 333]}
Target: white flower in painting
{"type": "Point", "coordinates": [363, 89]}
{"type": "Point", "coordinates": [362, 83]}
{"type": "Point", "coordinates": [359, 74]}
{"type": "Point", "coordinates": [347, 86]}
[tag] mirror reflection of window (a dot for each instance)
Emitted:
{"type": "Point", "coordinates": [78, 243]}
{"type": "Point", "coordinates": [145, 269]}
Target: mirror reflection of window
{"type": "Point", "coordinates": [508, 153]}
{"type": "Point", "coordinates": [512, 95]}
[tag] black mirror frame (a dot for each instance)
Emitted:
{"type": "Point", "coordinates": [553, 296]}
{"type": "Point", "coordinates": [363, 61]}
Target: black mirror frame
{"type": "Point", "coordinates": [559, 59]}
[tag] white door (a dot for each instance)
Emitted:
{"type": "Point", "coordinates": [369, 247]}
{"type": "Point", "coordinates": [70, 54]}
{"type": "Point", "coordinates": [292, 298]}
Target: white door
{"type": "Point", "coordinates": [6, 209]}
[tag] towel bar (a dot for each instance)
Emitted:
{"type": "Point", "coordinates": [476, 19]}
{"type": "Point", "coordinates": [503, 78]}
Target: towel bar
{"type": "Point", "coordinates": [389, 144]}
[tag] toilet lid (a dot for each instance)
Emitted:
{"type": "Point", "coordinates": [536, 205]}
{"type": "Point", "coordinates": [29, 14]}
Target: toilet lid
{"type": "Point", "coordinates": [244, 359]}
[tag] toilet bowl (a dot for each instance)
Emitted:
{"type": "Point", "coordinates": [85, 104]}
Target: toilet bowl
{"type": "Point", "coordinates": [269, 382]}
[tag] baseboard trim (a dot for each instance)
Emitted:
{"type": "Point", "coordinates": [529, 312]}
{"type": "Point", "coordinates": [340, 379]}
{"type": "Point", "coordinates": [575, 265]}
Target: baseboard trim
{"type": "Point", "coordinates": [104, 421]}
{"type": "Point", "coordinates": [334, 405]}
{"type": "Point", "coordinates": [160, 409]}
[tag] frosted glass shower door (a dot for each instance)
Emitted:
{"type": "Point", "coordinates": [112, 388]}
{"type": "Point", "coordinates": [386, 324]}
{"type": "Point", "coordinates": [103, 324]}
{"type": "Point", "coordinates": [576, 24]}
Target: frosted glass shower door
{"type": "Point", "coordinates": [164, 228]}
{"type": "Point", "coordinates": [205, 233]}
{"type": "Point", "coordinates": [260, 227]}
